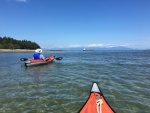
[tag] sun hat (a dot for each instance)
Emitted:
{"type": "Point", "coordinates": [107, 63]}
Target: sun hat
{"type": "Point", "coordinates": [38, 50]}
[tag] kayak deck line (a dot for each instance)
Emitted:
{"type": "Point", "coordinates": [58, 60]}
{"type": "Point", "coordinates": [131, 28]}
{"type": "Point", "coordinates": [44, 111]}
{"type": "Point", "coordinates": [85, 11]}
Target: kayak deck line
{"type": "Point", "coordinates": [96, 102]}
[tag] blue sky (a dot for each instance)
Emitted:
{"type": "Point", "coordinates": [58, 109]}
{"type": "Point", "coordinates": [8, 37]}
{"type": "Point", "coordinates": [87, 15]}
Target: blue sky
{"type": "Point", "coordinates": [77, 23]}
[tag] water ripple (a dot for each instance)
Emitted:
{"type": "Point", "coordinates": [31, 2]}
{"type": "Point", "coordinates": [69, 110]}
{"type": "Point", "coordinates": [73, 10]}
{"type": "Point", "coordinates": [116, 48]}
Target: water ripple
{"type": "Point", "coordinates": [63, 86]}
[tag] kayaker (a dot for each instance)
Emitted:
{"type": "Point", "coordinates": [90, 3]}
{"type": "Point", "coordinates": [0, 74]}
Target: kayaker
{"type": "Point", "coordinates": [38, 54]}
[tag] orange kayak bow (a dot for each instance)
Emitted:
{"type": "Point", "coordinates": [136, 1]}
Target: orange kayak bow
{"type": "Point", "coordinates": [96, 103]}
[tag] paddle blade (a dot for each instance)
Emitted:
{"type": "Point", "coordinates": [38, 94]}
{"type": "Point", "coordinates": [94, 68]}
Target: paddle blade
{"type": "Point", "coordinates": [23, 59]}
{"type": "Point", "coordinates": [59, 58]}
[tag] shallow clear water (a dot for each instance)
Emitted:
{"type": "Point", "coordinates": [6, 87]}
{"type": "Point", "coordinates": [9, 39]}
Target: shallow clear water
{"type": "Point", "coordinates": [63, 86]}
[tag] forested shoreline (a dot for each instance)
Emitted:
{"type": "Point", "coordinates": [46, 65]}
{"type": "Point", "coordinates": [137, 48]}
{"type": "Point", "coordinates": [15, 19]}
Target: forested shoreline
{"type": "Point", "coordinates": [11, 43]}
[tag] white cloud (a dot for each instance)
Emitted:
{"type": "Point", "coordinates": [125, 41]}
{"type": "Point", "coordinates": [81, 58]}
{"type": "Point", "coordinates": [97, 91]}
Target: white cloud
{"type": "Point", "coordinates": [85, 46]}
{"type": "Point", "coordinates": [95, 45]}
{"type": "Point", "coordinates": [89, 45]}
{"type": "Point", "coordinates": [99, 45]}
{"type": "Point", "coordinates": [75, 46]}
{"type": "Point", "coordinates": [92, 45]}
{"type": "Point", "coordinates": [21, 0]}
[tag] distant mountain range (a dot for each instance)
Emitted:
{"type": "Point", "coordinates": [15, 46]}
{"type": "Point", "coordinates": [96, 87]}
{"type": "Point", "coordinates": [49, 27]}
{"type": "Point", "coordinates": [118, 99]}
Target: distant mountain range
{"type": "Point", "coordinates": [102, 48]}
{"type": "Point", "coordinates": [92, 48]}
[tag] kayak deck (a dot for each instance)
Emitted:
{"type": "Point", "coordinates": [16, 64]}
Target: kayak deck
{"type": "Point", "coordinates": [96, 103]}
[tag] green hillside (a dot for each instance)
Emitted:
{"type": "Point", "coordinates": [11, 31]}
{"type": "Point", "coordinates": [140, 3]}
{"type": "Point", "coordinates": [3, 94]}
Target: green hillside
{"type": "Point", "coordinates": [10, 43]}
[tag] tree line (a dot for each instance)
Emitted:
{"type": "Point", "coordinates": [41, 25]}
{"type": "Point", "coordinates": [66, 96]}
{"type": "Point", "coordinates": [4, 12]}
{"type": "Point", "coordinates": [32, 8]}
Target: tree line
{"type": "Point", "coordinates": [10, 43]}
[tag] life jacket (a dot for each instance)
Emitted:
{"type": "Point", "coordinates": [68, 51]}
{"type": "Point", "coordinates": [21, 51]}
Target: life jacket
{"type": "Point", "coordinates": [36, 56]}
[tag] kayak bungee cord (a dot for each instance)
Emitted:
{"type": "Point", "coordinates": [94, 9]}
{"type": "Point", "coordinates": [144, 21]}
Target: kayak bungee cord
{"type": "Point", "coordinates": [99, 103]}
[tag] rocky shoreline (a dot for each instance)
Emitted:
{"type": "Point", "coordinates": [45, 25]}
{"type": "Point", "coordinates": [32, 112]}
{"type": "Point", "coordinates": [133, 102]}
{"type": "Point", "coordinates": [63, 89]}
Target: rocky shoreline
{"type": "Point", "coordinates": [23, 50]}
{"type": "Point", "coordinates": [16, 50]}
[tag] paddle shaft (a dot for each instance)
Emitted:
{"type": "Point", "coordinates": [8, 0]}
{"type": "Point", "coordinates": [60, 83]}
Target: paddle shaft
{"type": "Point", "coordinates": [24, 59]}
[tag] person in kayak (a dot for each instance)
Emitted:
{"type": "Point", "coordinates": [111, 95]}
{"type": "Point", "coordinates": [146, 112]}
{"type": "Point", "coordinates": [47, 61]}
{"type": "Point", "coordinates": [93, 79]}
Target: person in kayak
{"type": "Point", "coordinates": [38, 54]}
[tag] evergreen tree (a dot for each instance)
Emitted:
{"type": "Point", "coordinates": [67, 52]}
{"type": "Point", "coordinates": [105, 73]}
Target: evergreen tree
{"type": "Point", "coordinates": [10, 43]}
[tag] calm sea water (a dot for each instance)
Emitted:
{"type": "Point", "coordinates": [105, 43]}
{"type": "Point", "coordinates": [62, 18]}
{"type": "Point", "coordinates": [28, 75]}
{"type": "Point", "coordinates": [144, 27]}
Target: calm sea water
{"type": "Point", "coordinates": [63, 86]}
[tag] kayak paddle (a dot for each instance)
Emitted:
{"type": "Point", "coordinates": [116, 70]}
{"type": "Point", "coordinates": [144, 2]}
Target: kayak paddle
{"type": "Point", "coordinates": [59, 58]}
{"type": "Point", "coordinates": [23, 59]}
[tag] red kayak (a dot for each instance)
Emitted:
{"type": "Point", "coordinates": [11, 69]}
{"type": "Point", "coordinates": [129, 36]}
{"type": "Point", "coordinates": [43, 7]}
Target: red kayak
{"type": "Point", "coordinates": [96, 102]}
{"type": "Point", "coordinates": [33, 62]}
